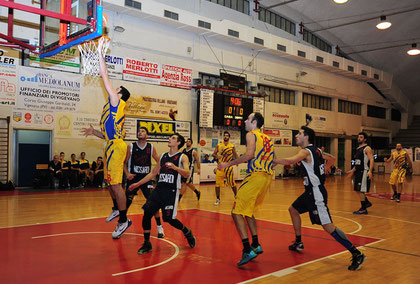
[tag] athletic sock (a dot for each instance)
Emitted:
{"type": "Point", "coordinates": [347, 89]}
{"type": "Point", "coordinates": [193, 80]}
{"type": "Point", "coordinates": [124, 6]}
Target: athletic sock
{"type": "Point", "coordinates": [247, 246]}
{"type": "Point", "coordinates": [363, 205]}
{"type": "Point", "coordinates": [158, 221]}
{"type": "Point", "coordinates": [340, 237]}
{"type": "Point", "coordinates": [123, 216]}
{"type": "Point", "coordinates": [115, 204]}
{"type": "Point", "coordinates": [298, 239]}
{"type": "Point", "coordinates": [129, 201]}
{"type": "Point", "coordinates": [218, 197]}
{"type": "Point", "coordinates": [185, 230]}
{"type": "Point", "coordinates": [255, 242]}
{"type": "Point", "coordinates": [196, 191]}
{"type": "Point", "coordinates": [399, 195]}
{"type": "Point", "coordinates": [146, 237]}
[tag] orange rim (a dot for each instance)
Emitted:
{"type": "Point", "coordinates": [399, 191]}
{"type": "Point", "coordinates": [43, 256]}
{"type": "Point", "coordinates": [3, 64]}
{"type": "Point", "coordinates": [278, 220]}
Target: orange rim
{"type": "Point", "coordinates": [95, 40]}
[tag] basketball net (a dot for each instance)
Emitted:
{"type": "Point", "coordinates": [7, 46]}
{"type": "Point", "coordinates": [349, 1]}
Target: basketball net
{"type": "Point", "coordinates": [89, 54]}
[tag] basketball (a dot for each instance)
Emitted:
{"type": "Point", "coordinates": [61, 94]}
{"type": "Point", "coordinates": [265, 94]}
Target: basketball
{"type": "Point", "coordinates": [104, 19]}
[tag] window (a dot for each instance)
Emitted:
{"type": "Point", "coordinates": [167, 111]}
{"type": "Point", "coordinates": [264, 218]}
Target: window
{"type": "Point", "coordinates": [349, 107]}
{"type": "Point", "coordinates": [171, 15]}
{"type": "Point", "coordinates": [233, 33]}
{"type": "Point", "coordinates": [238, 5]}
{"type": "Point", "coordinates": [204, 24]}
{"type": "Point", "coordinates": [316, 41]}
{"type": "Point", "coordinates": [374, 111]}
{"type": "Point", "coordinates": [134, 4]}
{"type": "Point", "coordinates": [315, 101]}
{"type": "Point", "coordinates": [258, 41]}
{"type": "Point", "coordinates": [281, 47]}
{"type": "Point", "coordinates": [395, 115]}
{"type": "Point", "coordinates": [276, 20]}
{"type": "Point", "coordinates": [277, 95]}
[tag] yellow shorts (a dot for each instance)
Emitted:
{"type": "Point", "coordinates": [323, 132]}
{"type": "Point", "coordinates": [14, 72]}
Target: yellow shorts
{"type": "Point", "coordinates": [225, 173]}
{"type": "Point", "coordinates": [397, 176]}
{"type": "Point", "coordinates": [251, 193]}
{"type": "Point", "coordinates": [115, 152]}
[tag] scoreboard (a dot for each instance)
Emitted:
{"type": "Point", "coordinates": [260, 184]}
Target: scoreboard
{"type": "Point", "coordinates": [231, 110]}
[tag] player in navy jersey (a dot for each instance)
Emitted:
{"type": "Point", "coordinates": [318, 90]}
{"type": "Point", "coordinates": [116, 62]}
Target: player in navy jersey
{"type": "Point", "coordinates": [362, 172]}
{"type": "Point", "coordinates": [192, 159]}
{"type": "Point", "coordinates": [165, 196]}
{"type": "Point", "coordinates": [314, 199]}
{"type": "Point", "coordinates": [138, 163]}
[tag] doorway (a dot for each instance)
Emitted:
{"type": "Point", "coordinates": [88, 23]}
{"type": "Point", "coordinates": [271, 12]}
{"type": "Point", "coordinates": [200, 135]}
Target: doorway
{"type": "Point", "coordinates": [32, 147]}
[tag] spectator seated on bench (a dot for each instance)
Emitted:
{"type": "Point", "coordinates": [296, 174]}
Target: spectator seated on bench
{"type": "Point", "coordinates": [55, 172]}
{"type": "Point", "coordinates": [84, 170]}
{"type": "Point", "coordinates": [97, 170]}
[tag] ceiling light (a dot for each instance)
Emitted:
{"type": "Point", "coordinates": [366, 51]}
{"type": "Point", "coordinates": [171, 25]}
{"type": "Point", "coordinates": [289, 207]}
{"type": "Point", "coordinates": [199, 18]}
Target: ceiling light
{"type": "Point", "coordinates": [341, 1]}
{"type": "Point", "coordinates": [119, 29]}
{"type": "Point", "coordinates": [383, 24]}
{"type": "Point", "coordinates": [414, 50]}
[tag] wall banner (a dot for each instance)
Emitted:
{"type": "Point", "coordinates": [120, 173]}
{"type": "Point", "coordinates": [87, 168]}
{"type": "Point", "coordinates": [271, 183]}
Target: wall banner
{"type": "Point", "coordinates": [159, 130]}
{"type": "Point", "coordinates": [25, 118]}
{"type": "Point", "coordinates": [143, 106]}
{"type": "Point", "coordinates": [66, 60]}
{"type": "Point", "coordinates": [314, 121]}
{"type": "Point", "coordinates": [70, 125]}
{"type": "Point", "coordinates": [177, 77]}
{"type": "Point", "coordinates": [115, 66]}
{"type": "Point", "coordinates": [280, 137]}
{"type": "Point", "coordinates": [46, 90]}
{"type": "Point", "coordinates": [8, 80]}
{"type": "Point", "coordinates": [141, 71]}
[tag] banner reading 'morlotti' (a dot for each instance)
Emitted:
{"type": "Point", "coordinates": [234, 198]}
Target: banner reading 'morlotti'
{"type": "Point", "coordinates": [46, 90]}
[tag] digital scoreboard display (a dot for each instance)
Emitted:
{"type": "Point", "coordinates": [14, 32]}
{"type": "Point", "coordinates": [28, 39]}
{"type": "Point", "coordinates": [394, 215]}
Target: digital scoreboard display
{"type": "Point", "coordinates": [233, 114]}
{"type": "Point", "coordinates": [231, 110]}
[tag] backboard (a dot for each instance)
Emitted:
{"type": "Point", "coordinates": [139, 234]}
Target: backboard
{"type": "Point", "coordinates": [75, 22]}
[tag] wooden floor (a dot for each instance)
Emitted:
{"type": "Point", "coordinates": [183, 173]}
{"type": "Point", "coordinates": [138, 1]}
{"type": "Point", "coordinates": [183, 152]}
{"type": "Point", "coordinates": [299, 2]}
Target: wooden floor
{"type": "Point", "coordinates": [394, 259]}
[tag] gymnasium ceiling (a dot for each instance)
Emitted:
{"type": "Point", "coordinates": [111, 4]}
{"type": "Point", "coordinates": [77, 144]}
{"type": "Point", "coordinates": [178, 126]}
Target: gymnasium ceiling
{"type": "Point", "coordinates": [362, 41]}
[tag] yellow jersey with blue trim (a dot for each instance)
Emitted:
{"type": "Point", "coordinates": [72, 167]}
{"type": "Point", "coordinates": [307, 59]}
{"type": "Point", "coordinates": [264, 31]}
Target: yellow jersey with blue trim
{"type": "Point", "coordinates": [225, 151]}
{"type": "Point", "coordinates": [263, 155]}
{"type": "Point", "coordinates": [400, 159]}
{"type": "Point", "coordinates": [112, 121]}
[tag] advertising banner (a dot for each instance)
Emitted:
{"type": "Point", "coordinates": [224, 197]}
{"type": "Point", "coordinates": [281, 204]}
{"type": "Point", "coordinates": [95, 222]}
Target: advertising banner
{"type": "Point", "coordinates": [159, 130]}
{"type": "Point", "coordinates": [176, 77]}
{"type": "Point", "coordinates": [46, 90]}
{"type": "Point", "coordinates": [259, 105]}
{"type": "Point", "coordinates": [141, 71]}
{"type": "Point", "coordinates": [24, 118]}
{"type": "Point", "coordinates": [206, 108]}
{"type": "Point", "coordinates": [115, 66]}
{"type": "Point", "coordinates": [8, 80]}
{"type": "Point", "coordinates": [66, 60]}
{"type": "Point", "coordinates": [314, 121]}
{"type": "Point", "coordinates": [70, 125]}
{"type": "Point", "coordinates": [143, 106]}
{"type": "Point", "coordinates": [280, 137]}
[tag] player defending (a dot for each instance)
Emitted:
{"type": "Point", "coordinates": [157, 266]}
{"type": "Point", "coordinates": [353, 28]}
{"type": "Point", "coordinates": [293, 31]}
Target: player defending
{"type": "Point", "coordinates": [260, 156]}
{"type": "Point", "coordinates": [362, 171]}
{"type": "Point", "coordinates": [138, 164]}
{"type": "Point", "coordinates": [193, 159]}
{"type": "Point", "coordinates": [171, 167]}
{"type": "Point", "coordinates": [223, 153]}
{"type": "Point", "coordinates": [314, 199]}
{"type": "Point", "coordinates": [112, 130]}
{"type": "Point", "coordinates": [401, 162]}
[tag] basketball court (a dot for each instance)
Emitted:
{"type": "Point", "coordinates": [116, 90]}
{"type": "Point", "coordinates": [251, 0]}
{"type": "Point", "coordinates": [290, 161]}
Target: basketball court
{"type": "Point", "coordinates": [63, 237]}
{"type": "Point", "coordinates": [60, 236]}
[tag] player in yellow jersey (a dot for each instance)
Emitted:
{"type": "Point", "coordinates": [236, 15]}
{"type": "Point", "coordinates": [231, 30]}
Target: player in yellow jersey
{"type": "Point", "coordinates": [260, 157]}
{"type": "Point", "coordinates": [224, 152]}
{"type": "Point", "coordinates": [112, 130]}
{"type": "Point", "coordinates": [402, 161]}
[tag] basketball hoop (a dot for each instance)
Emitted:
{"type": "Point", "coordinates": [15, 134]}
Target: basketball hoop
{"type": "Point", "coordinates": [89, 54]}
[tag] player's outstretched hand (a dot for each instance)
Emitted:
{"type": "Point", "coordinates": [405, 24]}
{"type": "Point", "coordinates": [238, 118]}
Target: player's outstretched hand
{"type": "Point", "coordinates": [132, 187]}
{"type": "Point", "coordinates": [222, 166]}
{"type": "Point", "coordinates": [349, 174]}
{"type": "Point", "coordinates": [130, 176]}
{"type": "Point", "coordinates": [87, 131]}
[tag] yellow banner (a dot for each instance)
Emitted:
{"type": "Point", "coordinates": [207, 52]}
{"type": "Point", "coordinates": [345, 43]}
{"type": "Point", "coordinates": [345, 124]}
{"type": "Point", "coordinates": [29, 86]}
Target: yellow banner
{"type": "Point", "coordinates": [160, 108]}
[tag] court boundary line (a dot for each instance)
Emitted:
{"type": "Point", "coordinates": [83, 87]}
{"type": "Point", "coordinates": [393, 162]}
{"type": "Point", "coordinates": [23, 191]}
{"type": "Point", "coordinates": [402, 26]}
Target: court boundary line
{"type": "Point", "coordinates": [280, 272]}
{"type": "Point", "coordinates": [176, 253]}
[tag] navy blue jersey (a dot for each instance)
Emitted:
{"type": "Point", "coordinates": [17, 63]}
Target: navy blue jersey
{"type": "Point", "coordinates": [313, 173]}
{"type": "Point", "coordinates": [361, 160]}
{"type": "Point", "coordinates": [140, 161]}
{"type": "Point", "coordinates": [169, 178]}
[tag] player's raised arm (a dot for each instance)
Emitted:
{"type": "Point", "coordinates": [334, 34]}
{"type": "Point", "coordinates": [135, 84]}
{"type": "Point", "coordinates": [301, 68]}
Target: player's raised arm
{"type": "Point", "coordinates": [301, 155]}
{"type": "Point", "coordinates": [103, 70]}
{"type": "Point", "coordinates": [249, 154]}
